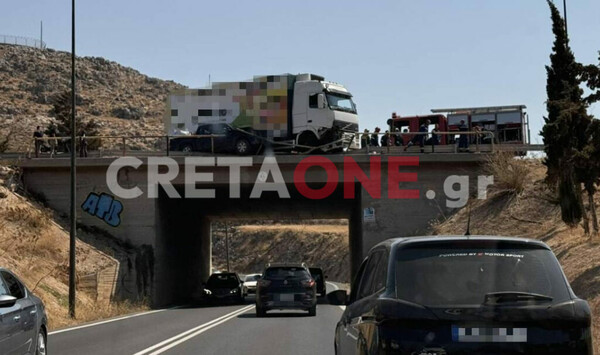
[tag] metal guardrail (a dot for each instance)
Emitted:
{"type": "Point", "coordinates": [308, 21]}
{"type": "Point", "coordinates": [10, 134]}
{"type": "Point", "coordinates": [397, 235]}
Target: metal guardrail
{"type": "Point", "coordinates": [126, 144]}
{"type": "Point", "coordinates": [22, 41]}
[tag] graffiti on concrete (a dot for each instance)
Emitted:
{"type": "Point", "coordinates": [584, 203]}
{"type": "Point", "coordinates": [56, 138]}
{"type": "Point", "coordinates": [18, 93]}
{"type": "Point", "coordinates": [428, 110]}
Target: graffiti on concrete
{"type": "Point", "coordinates": [105, 207]}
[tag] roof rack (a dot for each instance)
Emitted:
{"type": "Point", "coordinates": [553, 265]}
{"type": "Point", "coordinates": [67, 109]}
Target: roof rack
{"type": "Point", "coordinates": [482, 109]}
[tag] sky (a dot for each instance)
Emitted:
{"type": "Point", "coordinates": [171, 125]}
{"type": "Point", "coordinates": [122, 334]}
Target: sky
{"type": "Point", "coordinates": [394, 56]}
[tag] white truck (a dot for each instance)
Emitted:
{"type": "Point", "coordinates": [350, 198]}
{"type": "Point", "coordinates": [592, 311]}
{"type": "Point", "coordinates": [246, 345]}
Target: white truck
{"type": "Point", "coordinates": [286, 111]}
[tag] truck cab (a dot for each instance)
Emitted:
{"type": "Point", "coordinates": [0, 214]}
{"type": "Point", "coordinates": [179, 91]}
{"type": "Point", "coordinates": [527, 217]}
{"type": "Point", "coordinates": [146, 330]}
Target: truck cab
{"type": "Point", "coordinates": [322, 111]}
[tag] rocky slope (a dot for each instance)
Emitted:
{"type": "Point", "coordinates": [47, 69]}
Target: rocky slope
{"type": "Point", "coordinates": [121, 99]}
{"type": "Point", "coordinates": [253, 246]}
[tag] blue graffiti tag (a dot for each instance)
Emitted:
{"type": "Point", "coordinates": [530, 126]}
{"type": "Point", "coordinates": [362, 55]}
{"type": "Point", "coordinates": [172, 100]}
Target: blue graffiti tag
{"type": "Point", "coordinates": [105, 207]}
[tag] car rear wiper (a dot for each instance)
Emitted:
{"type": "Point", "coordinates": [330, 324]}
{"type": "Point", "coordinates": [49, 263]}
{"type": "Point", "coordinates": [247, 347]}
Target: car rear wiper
{"type": "Point", "coordinates": [514, 296]}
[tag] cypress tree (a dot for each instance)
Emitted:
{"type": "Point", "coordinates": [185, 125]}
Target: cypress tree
{"type": "Point", "coordinates": [565, 126]}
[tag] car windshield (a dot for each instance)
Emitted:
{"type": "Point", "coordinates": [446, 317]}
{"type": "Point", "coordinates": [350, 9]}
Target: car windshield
{"type": "Point", "coordinates": [222, 280]}
{"type": "Point", "coordinates": [456, 276]}
{"type": "Point", "coordinates": [286, 272]}
{"type": "Point", "coordinates": [252, 277]}
{"type": "Point", "coordinates": [341, 102]}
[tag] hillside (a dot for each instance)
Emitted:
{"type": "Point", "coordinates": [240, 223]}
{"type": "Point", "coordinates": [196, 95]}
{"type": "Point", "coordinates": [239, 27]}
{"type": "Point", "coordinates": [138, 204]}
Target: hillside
{"type": "Point", "coordinates": [535, 214]}
{"type": "Point", "coordinates": [253, 246]}
{"type": "Point", "coordinates": [120, 99]}
{"type": "Point", "coordinates": [35, 247]}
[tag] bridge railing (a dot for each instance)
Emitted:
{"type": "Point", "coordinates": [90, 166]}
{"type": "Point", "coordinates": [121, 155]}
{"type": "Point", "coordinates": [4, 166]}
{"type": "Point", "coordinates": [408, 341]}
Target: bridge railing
{"type": "Point", "coordinates": [139, 145]}
{"type": "Point", "coordinates": [484, 141]}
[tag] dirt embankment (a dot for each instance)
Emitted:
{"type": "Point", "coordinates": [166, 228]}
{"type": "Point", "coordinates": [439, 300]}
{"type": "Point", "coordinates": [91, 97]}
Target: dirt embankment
{"type": "Point", "coordinates": [253, 246]}
{"type": "Point", "coordinates": [534, 213]}
{"type": "Point", "coordinates": [122, 100]}
{"type": "Point", "coordinates": [35, 247]}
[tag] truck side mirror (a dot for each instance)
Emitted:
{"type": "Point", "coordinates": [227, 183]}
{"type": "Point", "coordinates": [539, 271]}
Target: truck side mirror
{"type": "Point", "coordinates": [321, 103]}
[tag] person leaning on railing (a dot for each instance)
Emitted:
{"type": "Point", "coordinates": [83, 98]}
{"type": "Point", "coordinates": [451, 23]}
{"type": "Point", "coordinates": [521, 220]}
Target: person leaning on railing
{"type": "Point", "coordinates": [420, 138]}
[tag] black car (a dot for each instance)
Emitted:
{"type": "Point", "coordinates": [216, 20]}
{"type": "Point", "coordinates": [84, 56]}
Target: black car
{"type": "Point", "coordinates": [23, 321]}
{"type": "Point", "coordinates": [286, 286]}
{"type": "Point", "coordinates": [462, 295]}
{"type": "Point", "coordinates": [224, 287]}
{"type": "Point", "coordinates": [317, 274]}
{"type": "Point", "coordinates": [226, 140]}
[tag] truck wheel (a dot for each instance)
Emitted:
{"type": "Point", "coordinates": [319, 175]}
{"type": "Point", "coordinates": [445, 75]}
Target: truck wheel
{"type": "Point", "coordinates": [242, 146]}
{"type": "Point", "coordinates": [308, 139]}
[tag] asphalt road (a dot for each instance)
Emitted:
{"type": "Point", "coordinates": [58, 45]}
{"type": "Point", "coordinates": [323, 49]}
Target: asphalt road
{"type": "Point", "coordinates": [204, 330]}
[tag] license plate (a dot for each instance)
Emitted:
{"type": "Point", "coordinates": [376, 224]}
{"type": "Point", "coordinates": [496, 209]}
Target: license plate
{"type": "Point", "coordinates": [286, 297]}
{"type": "Point", "coordinates": [489, 335]}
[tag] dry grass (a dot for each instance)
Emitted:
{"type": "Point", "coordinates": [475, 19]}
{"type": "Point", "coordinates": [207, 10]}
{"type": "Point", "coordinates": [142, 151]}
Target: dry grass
{"type": "Point", "coordinates": [91, 311]}
{"type": "Point", "coordinates": [510, 173]}
{"type": "Point", "coordinates": [252, 246]}
{"type": "Point", "coordinates": [36, 249]}
{"type": "Point", "coordinates": [296, 228]}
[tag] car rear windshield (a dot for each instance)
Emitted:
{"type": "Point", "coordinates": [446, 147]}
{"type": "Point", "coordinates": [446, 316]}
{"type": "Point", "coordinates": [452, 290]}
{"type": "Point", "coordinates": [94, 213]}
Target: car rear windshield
{"type": "Point", "coordinates": [457, 276]}
{"type": "Point", "coordinates": [222, 280]}
{"type": "Point", "coordinates": [286, 272]}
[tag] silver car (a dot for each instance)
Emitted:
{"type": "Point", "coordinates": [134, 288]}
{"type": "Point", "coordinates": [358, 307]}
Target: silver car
{"type": "Point", "coordinates": [250, 283]}
{"type": "Point", "coordinates": [23, 321]}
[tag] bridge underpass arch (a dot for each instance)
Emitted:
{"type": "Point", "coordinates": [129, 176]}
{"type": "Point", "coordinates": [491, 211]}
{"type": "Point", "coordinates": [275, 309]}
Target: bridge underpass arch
{"type": "Point", "coordinates": [183, 232]}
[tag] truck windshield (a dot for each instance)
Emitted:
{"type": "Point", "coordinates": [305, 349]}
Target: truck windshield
{"type": "Point", "coordinates": [341, 102]}
{"type": "Point", "coordinates": [457, 276]}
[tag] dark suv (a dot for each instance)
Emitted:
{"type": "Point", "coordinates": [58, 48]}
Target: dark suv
{"type": "Point", "coordinates": [226, 140]}
{"type": "Point", "coordinates": [286, 286]}
{"type": "Point", "coordinates": [462, 295]}
{"type": "Point", "coordinates": [224, 287]}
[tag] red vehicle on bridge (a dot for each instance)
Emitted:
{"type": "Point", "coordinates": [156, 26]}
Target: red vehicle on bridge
{"type": "Point", "coordinates": [509, 124]}
{"type": "Point", "coordinates": [410, 124]}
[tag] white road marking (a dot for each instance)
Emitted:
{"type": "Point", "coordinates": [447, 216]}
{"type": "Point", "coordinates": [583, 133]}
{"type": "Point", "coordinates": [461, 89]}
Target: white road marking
{"type": "Point", "coordinates": [109, 321]}
{"type": "Point", "coordinates": [188, 334]}
{"type": "Point", "coordinates": [335, 289]}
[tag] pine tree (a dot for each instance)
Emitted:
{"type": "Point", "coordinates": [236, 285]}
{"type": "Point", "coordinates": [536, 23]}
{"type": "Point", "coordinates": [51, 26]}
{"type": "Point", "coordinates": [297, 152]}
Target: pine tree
{"type": "Point", "coordinates": [61, 110]}
{"type": "Point", "coordinates": [565, 127]}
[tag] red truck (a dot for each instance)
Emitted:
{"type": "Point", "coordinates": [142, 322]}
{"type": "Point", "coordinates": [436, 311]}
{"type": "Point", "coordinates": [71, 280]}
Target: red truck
{"type": "Point", "coordinates": [509, 124]}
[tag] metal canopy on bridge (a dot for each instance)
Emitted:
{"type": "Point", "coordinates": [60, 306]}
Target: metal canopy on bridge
{"type": "Point", "coordinates": [483, 109]}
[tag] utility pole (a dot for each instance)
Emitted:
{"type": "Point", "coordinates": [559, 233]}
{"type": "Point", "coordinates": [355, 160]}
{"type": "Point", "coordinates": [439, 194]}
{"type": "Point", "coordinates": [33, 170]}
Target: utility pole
{"type": "Point", "coordinates": [73, 216]}
{"type": "Point", "coordinates": [41, 34]}
{"type": "Point", "coordinates": [227, 244]}
{"type": "Point", "coordinates": [565, 12]}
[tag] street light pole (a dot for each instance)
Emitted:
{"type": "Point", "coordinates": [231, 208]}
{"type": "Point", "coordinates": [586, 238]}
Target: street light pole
{"type": "Point", "coordinates": [227, 244]}
{"type": "Point", "coordinates": [73, 231]}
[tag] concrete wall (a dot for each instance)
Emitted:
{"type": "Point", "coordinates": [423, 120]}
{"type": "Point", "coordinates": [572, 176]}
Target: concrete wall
{"type": "Point", "coordinates": [179, 229]}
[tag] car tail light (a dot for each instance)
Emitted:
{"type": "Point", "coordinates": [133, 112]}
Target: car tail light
{"type": "Point", "coordinates": [308, 283]}
{"type": "Point", "coordinates": [263, 283]}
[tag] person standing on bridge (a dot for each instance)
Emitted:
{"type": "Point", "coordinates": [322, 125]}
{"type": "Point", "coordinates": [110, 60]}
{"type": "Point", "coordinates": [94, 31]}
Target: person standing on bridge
{"type": "Point", "coordinates": [463, 140]}
{"type": "Point", "coordinates": [83, 153]}
{"type": "Point", "coordinates": [364, 139]}
{"type": "Point", "coordinates": [38, 142]}
{"type": "Point", "coordinates": [375, 137]}
{"type": "Point", "coordinates": [420, 138]}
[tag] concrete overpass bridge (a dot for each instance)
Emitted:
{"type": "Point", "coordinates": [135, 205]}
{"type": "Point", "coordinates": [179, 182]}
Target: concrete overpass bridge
{"type": "Point", "coordinates": [382, 196]}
